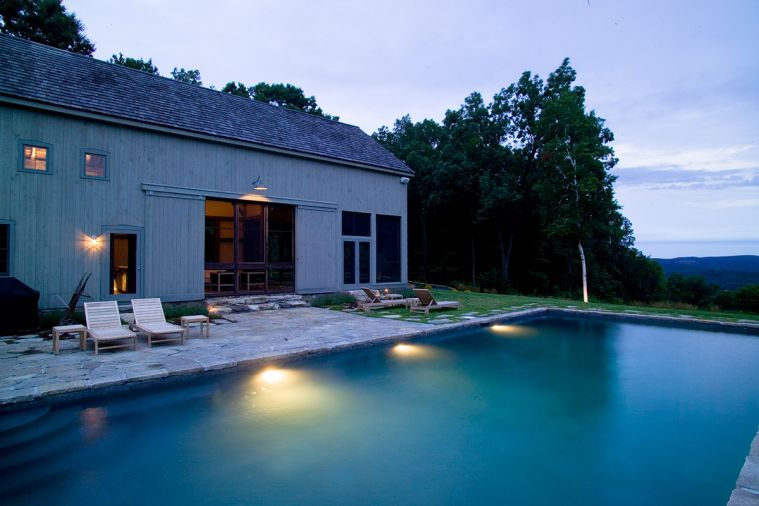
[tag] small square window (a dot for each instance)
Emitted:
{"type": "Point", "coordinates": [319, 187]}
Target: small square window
{"type": "Point", "coordinates": [94, 165]}
{"type": "Point", "coordinates": [35, 157]}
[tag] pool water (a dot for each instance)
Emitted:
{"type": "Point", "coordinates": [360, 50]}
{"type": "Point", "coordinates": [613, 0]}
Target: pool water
{"type": "Point", "coordinates": [555, 411]}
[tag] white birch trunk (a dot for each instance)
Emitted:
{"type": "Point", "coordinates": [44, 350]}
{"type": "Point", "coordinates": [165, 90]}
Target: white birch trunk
{"type": "Point", "coordinates": [584, 273]}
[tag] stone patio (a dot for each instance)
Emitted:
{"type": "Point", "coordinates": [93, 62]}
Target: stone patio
{"type": "Point", "coordinates": [29, 371]}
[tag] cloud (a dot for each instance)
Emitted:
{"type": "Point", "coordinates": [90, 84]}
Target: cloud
{"type": "Point", "coordinates": [678, 177]}
{"type": "Point", "coordinates": [742, 156]}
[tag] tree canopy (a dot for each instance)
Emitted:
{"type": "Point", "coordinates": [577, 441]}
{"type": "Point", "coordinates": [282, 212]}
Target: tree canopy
{"type": "Point", "coordinates": [506, 191]}
{"type": "Point", "coordinates": [135, 63]}
{"type": "Point", "coordinates": [45, 21]}
{"type": "Point", "coordinates": [190, 76]}
{"type": "Point", "coordinates": [279, 94]}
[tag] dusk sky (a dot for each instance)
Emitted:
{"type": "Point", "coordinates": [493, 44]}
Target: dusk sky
{"type": "Point", "coordinates": [677, 81]}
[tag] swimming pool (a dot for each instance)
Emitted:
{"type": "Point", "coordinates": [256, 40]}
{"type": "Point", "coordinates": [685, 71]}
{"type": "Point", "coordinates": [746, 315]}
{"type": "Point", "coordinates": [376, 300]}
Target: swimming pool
{"type": "Point", "coordinates": [554, 411]}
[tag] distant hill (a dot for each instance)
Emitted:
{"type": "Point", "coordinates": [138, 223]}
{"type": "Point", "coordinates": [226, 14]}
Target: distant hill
{"type": "Point", "coordinates": [730, 273]}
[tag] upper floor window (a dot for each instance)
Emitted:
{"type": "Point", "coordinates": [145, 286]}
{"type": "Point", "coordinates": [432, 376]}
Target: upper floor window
{"type": "Point", "coordinates": [95, 164]}
{"type": "Point", "coordinates": [35, 157]}
{"type": "Point", "coordinates": [358, 224]}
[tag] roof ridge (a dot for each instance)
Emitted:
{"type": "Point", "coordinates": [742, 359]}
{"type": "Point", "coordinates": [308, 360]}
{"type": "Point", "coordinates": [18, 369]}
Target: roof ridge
{"type": "Point", "coordinates": [80, 82]}
{"type": "Point", "coordinates": [170, 79]}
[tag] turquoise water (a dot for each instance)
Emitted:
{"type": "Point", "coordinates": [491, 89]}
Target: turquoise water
{"type": "Point", "coordinates": [559, 411]}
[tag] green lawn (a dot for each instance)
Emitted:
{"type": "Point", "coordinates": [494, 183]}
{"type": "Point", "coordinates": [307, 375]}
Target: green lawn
{"type": "Point", "coordinates": [483, 304]}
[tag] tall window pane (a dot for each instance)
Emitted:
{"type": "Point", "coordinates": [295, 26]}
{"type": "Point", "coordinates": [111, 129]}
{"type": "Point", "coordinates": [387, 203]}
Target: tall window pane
{"type": "Point", "coordinates": [5, 237]}
{"type": "Point", "coordinates": [250, 233]}
{"type": "Point", "coordinates": [388, 249]}
{"type": "Point", "coordinates": [349, 262]}
{"type": "Point", "coordinates": [219, 232]}
{"type": "Point", "coordinates": [281, 227]}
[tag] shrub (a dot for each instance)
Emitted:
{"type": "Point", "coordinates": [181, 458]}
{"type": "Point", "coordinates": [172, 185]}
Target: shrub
{"type": "Point", "coordinates": [175, 311]}
{"type": "Point", "coordinates": [333, 299]}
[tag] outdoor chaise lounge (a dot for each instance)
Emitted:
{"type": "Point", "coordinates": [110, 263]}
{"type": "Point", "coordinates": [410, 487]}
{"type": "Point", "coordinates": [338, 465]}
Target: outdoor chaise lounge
{"type": "Point", "coordinates": [428, 303]}
{"type": "Point", "coordinates": [150, 320]}
{"type": "Point", "coordinates": [377, 301]}
{"type": "Point", "coordinates": [104, 325]}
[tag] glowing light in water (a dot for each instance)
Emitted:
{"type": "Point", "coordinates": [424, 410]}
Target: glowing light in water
{"type": "Point", "coordinates": [291, 394]}
{"type": "Point", "coordinates": [418, 351]}
{"type": "Point", "coordinates": [272, 376]}
{"type": "Point", "coordinates": [513, 330]}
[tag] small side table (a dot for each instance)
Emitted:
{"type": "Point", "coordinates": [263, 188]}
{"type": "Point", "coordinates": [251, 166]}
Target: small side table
{"type": "Point", "coordinates": [411, 302]}
{"type": "Point", "coordinates": [186, 321]}
{"type": "Point", "coordinates": [69, 329]}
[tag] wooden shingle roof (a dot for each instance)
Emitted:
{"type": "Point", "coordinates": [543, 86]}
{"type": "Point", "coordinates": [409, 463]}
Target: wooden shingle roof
{"type": "Point", "coordinates": [38, 73]}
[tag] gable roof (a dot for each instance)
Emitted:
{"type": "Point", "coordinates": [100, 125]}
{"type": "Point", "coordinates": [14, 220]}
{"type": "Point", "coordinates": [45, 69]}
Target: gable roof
{"type": "Point", "coordinates": [32, 71]}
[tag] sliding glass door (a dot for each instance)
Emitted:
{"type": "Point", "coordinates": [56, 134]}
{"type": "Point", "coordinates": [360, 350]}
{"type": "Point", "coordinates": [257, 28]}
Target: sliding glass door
{"type": "Point", "coordinates": [249, 247]}
{"type": "Point", "coordinates": [356, 262]}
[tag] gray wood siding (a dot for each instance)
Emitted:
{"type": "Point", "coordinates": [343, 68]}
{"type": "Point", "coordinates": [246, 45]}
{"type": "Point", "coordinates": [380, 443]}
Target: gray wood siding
{"type": "Point", "coordinates": [174, 248]}
{"type": "Point", "coordinates": [53, 213]}
{"type": "Point", "coordinates": [317, 260]}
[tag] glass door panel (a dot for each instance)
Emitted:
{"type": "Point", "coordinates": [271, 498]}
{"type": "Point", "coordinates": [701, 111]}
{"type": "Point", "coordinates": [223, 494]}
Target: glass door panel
{"type": "Point", "coordinates": [364, 262]}
{"type": "Point", "coordinates": [349, 262]}
{"type": "Point", "coordinates": [250, 233]}
{"type": "Point", "coordinates": [123, 264]}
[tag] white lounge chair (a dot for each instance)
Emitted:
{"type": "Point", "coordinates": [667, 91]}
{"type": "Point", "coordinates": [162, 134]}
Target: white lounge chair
{"type": "Point", "coordinates": [104, 324]}
{"type": "Point", "coordinates": [150, 320]}
{"type": "Point", "coordinates": [428, 303]}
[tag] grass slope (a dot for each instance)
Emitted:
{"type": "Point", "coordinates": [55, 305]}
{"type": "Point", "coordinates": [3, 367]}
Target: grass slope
{"type": "Point", "coordinates": [474, 304]}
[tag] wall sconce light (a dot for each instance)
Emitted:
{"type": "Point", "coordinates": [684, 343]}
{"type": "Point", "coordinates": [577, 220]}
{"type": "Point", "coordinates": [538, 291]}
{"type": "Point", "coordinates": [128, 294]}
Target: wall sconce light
{"type": "Point", "coordinates": [93, 243]}
{"type": "Point", "coordinates": [258, 185]}
{"type": "Point", "coordinates": [405, 180]}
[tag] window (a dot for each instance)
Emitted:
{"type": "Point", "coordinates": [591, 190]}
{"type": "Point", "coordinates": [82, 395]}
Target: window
{"type": "Point", "coordinates": [358, 224]}
{"type": "Point", "coordinates": [95, 164]}
{"type": "Point", "coordinates": [388, 249]}
{"type": "Point", "coordinates": [5, 249]}
{"type": "Point", "coordinates": [35, 157]}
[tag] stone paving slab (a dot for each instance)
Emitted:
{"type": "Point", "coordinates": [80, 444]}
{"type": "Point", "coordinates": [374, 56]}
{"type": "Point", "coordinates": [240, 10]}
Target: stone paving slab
{"type": "Point", "coordinates": [746, 491]}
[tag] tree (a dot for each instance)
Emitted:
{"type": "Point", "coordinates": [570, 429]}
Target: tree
{"type": "Point", "coordinates": [287, 95]}
{"type": "Point", "coordinates": [190, 76]}
{"type": "Point", "coordinates": [135, 63]}
{"type": "Point", "coordinates": [419, 145]}
{"type": "Point", "coordinates": [279, 94]}
{"type": "Point", "coordinates": [238, 89]}
{"type": "Point", "coordinates": [45, 21]}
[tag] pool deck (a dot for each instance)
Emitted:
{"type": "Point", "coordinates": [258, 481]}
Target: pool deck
{"type": "Point", "coordinates": [30, 372]}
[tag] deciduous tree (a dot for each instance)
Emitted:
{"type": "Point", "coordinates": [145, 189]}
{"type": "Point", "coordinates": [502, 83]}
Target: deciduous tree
{"type": "Point", "coordinates": [134, 63]}
{"type": "Point", "coordinates": [45, 21]}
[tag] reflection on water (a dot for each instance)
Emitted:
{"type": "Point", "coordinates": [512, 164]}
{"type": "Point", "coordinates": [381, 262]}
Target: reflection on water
{"type": "Point", "coordinates": [582, 412]}
{"type": "Point", "coordinates": [94, 423]}
{"type": "Point", "coordinates": [514, 330]}
{"type": "Point", "coordinates": [417, 351]}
